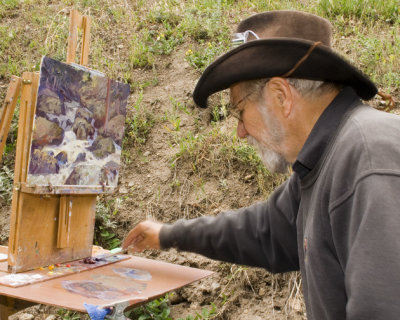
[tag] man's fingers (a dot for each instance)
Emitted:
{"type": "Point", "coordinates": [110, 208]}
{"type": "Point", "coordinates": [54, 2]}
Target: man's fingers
{"type": "Point", "coordinates": [134, 236]}
{"type": "Point", "coordinates": [144, 236]}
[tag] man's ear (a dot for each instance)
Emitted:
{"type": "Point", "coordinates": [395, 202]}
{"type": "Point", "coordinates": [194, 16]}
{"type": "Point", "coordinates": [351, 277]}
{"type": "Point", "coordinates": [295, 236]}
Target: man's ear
{"type": "Point", "coordinates": [281, 95]}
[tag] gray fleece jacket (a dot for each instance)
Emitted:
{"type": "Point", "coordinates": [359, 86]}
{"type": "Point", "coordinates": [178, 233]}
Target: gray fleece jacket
{"type": "Point", "coordinates": [337, 218]}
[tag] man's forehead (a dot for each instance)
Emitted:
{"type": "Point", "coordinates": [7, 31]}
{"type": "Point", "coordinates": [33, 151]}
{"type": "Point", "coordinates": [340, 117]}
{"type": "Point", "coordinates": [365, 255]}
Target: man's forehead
{"type": "Point", "coordinates": [236, 92]}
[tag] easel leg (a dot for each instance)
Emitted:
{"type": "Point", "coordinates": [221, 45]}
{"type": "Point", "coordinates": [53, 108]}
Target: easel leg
{"type": "Point", "coordinates": [9, 306]}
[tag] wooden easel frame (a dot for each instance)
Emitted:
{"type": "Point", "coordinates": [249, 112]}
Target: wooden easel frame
{"type": "Point", "coordinates": [82, 22]}
{"type": "Point", "coordinates": [53, 224]}
{"type": "Point", "coordinates": [7, 111]}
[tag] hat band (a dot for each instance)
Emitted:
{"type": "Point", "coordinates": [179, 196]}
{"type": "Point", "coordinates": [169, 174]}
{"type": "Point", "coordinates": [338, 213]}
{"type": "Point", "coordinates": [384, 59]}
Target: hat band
{"type": "Point", "coordinates": [304, 58]}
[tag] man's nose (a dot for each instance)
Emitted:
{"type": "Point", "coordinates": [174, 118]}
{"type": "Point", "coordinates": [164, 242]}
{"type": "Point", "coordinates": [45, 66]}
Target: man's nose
{"type": "Point", "coordinates": [241, 130]}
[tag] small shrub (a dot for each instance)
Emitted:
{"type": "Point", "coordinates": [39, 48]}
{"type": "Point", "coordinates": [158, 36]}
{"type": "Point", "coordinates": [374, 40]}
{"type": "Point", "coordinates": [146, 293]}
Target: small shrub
{"type": "Point", "coordinates": [6, 185]}
{"type": "Point", "coordinates": [154, 310]}
{"type": "Point", "coordinates": [105, 225]}
{"type": "Point", "coordinates": [138, 124]}
{"type": "Point", "coordinates": [203, 56]}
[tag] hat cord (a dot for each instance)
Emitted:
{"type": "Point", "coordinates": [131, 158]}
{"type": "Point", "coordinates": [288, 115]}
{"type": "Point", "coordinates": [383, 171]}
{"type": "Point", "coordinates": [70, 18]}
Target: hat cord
{"type": "Point", "coordinates": [388, 98]}
{"type": "Point", "coordinates": [304, 58]}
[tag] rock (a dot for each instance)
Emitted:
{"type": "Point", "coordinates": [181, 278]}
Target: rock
{"type": "Point", "coordinates": [46, 132]}
{"type": "Point", "coordinates": [84, 114]}
{"type": "Point", "coordinates": [83, 129]}
{"type": "Point", "coordinates": [47, 92]}
{"type": "Point", "coordinates": [146, 154]}
{"type": "Point", "coordinates": [85, 174]}
{"type": "Point", "coordinates": [99, 114]}
{"type": "Point", "coordinates": [175, 298]}
{"type": "Point", "coordinates": [62, 158]}
{"type": "Point", "coordinates": [262, 292]}
{"type": "Point", "coordinates": [118, 98]}
{"type": "Point", "coordinates": [43, 163]}
{"type": "Point", "coordinates": [110, 173]}
{"type": "Point", "coordinates": [102, 147]}
{"type": "Point", "coordinates": [51, 317]}
{"type": "Point", "coordinates": [215, 286]}
{"type": "Point", "coordinates": [80, 158]}
{"type": "Point", "coordinates": [25, 316]}
{"type": "Point", "coordinates": [115, 129]}
{"type": "Point", "coordinates": [49, 102]}
{"type": "Point", "coordinates": [123, 190]}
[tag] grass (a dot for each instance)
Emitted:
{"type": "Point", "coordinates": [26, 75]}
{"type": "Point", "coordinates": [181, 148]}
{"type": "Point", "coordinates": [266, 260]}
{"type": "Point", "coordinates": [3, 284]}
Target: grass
{"type": "Point", "coordinates": [159, 309]}
{"type": "Point", "coordinates": [218, 155]}
{"type": "Point", "coordinates": [138, 125]}
{"type": "Point", "coordinates": [388, 10]}
{"type": "Point", "coordinates": [6, 185]}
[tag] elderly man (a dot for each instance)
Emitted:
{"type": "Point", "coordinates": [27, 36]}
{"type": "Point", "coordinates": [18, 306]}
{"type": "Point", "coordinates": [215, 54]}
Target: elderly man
{"type": "Point", "coordinates": [337, 217]}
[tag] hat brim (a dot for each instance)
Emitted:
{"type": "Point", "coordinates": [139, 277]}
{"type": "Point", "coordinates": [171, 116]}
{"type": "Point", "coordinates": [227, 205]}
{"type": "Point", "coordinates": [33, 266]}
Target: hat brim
{"type": "Point", "coordinates": [268, 58]}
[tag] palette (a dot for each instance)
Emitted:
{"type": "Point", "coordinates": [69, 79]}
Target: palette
{"type": "Point", "coordinates": [165, 277]}
{"type": "Point", "coordinates": [54, 271]}
{"type": "Point", "coordinates": [109, 286]}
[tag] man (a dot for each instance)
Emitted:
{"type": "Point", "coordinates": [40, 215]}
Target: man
{"type": "Point", "coordinates": [337, 217]}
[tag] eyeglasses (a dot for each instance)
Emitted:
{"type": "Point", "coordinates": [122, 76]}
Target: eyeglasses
{"type": "Point", "coordinates": [234, 109]}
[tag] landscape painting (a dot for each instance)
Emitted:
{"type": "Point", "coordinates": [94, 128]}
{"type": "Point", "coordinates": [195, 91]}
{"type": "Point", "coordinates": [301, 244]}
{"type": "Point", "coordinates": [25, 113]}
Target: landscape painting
{"type": "Point", "coordinates": [78, 127]}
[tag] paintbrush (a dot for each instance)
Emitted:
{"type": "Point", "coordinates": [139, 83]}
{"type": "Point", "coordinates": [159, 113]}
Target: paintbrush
{"type": "Point", "coordinates": [113, 252]}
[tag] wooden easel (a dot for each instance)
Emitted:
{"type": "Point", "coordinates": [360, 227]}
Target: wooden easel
{"type": "Point", "coordinates": [48, 225]}
{"type": "Point", "coordinates": [55, 224]}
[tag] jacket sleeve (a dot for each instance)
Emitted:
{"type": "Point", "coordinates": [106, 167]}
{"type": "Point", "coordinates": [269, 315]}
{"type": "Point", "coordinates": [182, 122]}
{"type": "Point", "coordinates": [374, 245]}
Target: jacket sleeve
{"type": "Point", "coordinates": [366, 232]}
{"type": "Point", "coordinates": [262, 235]}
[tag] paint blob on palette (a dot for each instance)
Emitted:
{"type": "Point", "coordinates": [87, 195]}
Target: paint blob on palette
{"type": "Point", "coordinates": [78, 127]}
{"type": "Point", "coordinates": [17, 279]}
{"type": "Point", "coordinates": [105, 287]}
{"type": "Point", "coordinates": [93, 289]}
{"type": "Point", "coordinates": [135, 274]}
{"type": "Point", "coordinates": [132, 287]}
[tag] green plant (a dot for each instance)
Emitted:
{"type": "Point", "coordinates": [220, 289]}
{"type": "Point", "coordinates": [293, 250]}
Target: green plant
{"type": "Point", "coordinates": [219, 113]}
{"type": "Point", "coordinates": [105, 225]}
{"type": "Point", "coordinates": [8, 5]}
{"type": "Point", "coordinates": [71, 315]}
{"type": "Point", "coordinates": [140, 55]}
{"type": "Point", "coordinates": [205, 314]}
{"type": "Point", "coordinates": [138, 124]}
{"type": "Point", "coordinates": [155, 310]}
{"type": "Point", "coordinates": [377, 56]}
{"type": "Point", "coordinates": [203, 56]}
{"type": "Point", "coordinates": [6, 185]}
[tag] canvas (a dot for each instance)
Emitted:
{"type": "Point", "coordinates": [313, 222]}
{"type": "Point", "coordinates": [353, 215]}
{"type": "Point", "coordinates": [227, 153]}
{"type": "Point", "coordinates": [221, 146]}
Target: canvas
{"type": "Point", "coordinates": [78, 127]}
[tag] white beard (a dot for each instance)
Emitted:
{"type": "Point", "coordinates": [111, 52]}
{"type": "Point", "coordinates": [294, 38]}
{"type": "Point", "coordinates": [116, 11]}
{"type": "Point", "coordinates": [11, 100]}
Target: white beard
{"type": "Point", "coordinates": [272, 160]}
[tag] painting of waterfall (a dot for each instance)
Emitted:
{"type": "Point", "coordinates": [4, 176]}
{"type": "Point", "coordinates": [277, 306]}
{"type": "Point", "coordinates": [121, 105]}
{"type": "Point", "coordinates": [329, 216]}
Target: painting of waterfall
{"type": "Point", "coordinates": [78, 127]}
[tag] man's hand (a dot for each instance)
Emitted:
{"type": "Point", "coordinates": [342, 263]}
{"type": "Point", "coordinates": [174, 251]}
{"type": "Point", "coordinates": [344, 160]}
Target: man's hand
{"type": "Point", "coordinates": [144, 236]}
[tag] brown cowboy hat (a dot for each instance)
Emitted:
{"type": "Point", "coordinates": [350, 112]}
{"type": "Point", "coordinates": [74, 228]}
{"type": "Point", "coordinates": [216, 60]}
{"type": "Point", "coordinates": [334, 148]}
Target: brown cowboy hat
{"type": "Point", "coordinates": [282, 43]}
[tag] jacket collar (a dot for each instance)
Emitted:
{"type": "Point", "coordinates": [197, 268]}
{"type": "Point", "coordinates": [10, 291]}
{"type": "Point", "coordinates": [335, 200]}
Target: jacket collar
{"type": "Point", "coordinates": [323, 131]}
